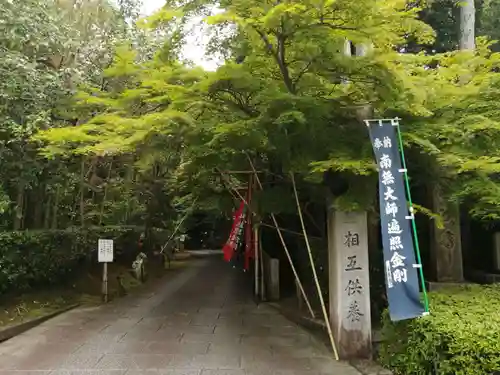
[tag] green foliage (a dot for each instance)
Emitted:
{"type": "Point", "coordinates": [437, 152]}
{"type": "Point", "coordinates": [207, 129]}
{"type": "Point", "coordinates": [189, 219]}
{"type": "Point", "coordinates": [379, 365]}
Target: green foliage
{"type": "Point", "coordinates": [443, 16]}
{"type": "Point", "coordinates": [34, 259]}
{"type": "Point", "coordinates": [294, 101]}
{"type": "Point", "coordinates": [29, 86]}
{"type": "Point", "coordinates": [50, 48]}
{"type": "Point", "coordinates": [29, 258]}
{"type": "Point", "coordinates": [460, 337]}
{"type": "Point", "coordinates": [488, 16]}
{"type": "Point", "coordinates": [463, 124]}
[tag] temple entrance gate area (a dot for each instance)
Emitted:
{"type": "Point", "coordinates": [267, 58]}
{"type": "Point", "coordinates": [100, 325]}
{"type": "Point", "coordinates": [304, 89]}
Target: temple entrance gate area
{"type": "Point", "coordinates": [200, 321]}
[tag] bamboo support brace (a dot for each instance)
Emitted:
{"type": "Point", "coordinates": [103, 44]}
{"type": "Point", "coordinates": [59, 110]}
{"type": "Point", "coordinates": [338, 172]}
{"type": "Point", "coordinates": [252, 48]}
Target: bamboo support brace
{"type": "Point", "coordinates": [273, 217]}
{"type": "Point", "coordinates": [316, 280]}
{"type": "Point", "coordinates": [283, 243]}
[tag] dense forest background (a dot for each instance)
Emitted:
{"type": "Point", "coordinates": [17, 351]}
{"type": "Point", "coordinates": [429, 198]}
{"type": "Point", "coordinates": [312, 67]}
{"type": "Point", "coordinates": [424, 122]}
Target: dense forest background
{"type": "Point", "coordinates": [106, 125]}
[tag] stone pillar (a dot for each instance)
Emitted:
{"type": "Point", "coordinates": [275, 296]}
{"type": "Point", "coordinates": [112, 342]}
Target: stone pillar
{"type": "Point", "coordinates": [349, 283]}
{"type": "Point", "coordinates": [446, 245]}
{"type": "Point", "coordinates": [182, 240]}
{"type": "Point", "coordinates": [272, 278]}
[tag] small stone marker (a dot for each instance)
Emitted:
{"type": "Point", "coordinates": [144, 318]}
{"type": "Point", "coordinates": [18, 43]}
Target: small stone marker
{"type": "Point", "coordinates": [139, 267]}
{"type": "Point", "coordinates": [349, 283]}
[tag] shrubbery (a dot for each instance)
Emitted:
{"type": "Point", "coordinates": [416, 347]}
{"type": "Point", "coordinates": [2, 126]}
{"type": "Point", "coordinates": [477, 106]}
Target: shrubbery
{"type": "Point", "coordinates": [37, 258]}
{"type": "Point", "coordinates": [460, 337]}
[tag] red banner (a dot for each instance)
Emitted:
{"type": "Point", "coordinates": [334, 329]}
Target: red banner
{"type": "Point", "coordinates": [230, 246]}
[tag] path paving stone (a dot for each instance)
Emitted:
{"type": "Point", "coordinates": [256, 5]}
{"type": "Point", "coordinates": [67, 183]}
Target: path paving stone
{"type": "Point", "coordinates": [199, 322]}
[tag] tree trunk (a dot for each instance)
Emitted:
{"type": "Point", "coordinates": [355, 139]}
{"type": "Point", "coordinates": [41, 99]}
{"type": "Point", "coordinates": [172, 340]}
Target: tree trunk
{"type": "Point", "coordinates": [38, 195]}
{"type": "Point", "coordinates": [467, 25]}
{"type": "Point", "coordinates": [129, 182]}
{"type": "Point", "coordinates": [446, 243]}
{"type": "Point", "coordinates": [82, 191]}
{"type": "Point", "coordinates": [46, 219]}
{"type": "Point", "coordinates": [19, 210]}
{"type": "Point", "coordinates": [56, 208]}
{"type": "Point", "coordinates": [465, 235]}
{"type": "Point", "coordinates": [103, 204]}
{"type": "Point", "coordinates": [446, 246]}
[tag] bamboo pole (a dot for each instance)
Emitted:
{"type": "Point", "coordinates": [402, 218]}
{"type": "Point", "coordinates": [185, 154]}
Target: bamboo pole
{"type": "Point", "coordinates": [316, 280]}
{"type": "Point", "coordinates": [177, 228]}
{"type": "Point", "coordinates": [287, 252]}
{"type": "Point", "coordinates": [289, 231]}
{"type": "Point", "coordinates": [283, 243]}
{"type": "Point", "coordinates": [256, 264]}
{"type": "Point", "coordinates": [237, 193]}
{"type": "Point", "coordinates": [259, 255]}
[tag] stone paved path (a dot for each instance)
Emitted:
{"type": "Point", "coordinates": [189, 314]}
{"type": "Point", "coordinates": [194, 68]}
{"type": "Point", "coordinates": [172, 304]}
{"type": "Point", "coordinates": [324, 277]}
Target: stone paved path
{"type": "Point", "coordinates": [195, 323]}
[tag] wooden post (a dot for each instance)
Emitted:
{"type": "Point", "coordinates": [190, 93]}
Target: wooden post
{"type": "Point", "coordinates": [262, 271]}
{"type": "Point", "coordinates": [256, 262]}
{"type": "Point", "coordinates": [105, 256]}
{"type": "Point", "coordinates": [105, 282]}
{"type": "Point", "coordinates": [349, 283]}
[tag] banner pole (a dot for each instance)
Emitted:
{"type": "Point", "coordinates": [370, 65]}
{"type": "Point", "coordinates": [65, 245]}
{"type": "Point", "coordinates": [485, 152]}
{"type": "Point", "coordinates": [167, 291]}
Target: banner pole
{"type": "Point", "coordinates": [395, 122]}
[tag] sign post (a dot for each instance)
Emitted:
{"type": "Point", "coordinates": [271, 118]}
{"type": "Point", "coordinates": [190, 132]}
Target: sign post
{"type": "Point", "coordinates": [105, 256]}
{"type": "Point", "coordinates": [398, 224]}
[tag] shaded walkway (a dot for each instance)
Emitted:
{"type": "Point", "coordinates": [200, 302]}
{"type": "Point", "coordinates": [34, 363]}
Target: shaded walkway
{"type": "Point", "coordinates": [195, 323]}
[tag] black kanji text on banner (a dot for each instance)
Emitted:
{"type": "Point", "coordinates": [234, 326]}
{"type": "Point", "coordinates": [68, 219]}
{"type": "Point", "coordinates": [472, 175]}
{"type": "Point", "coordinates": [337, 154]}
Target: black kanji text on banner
{"type": "Point", "coordinates": [401, 274]}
